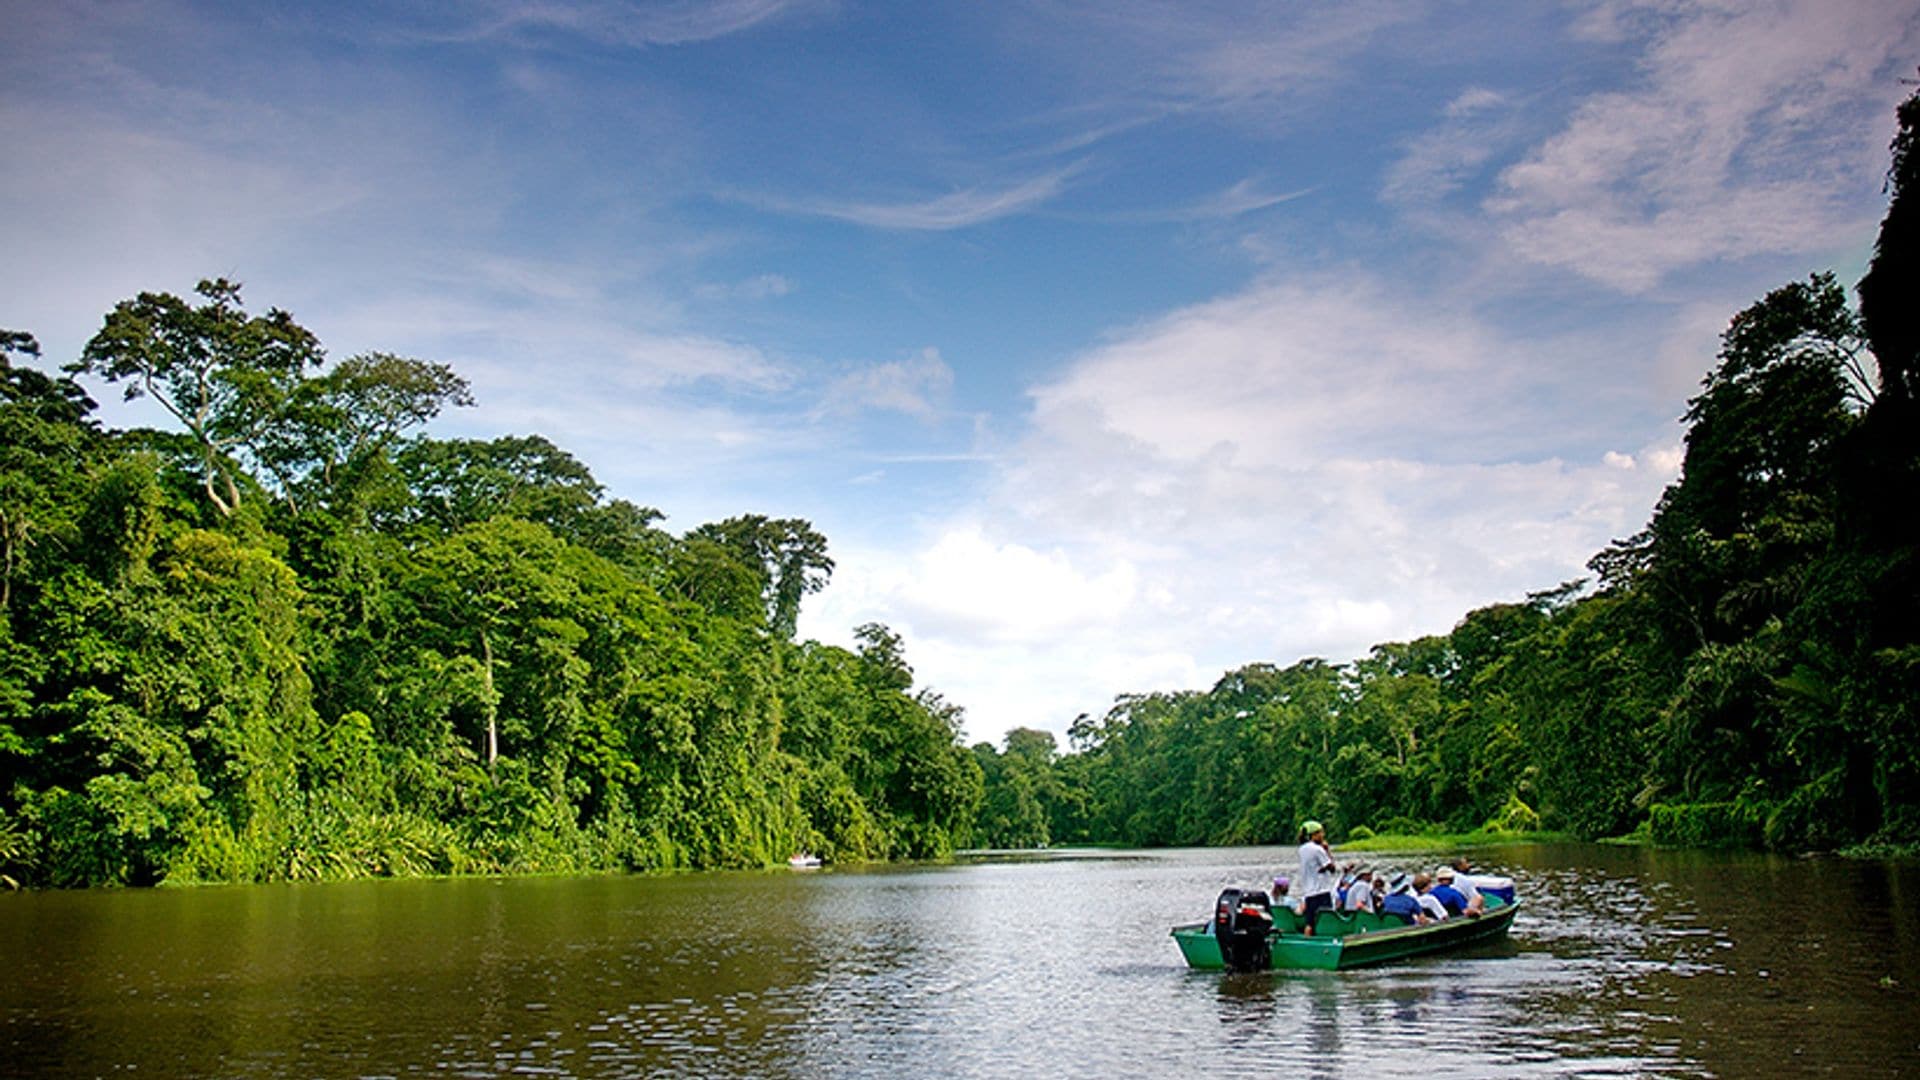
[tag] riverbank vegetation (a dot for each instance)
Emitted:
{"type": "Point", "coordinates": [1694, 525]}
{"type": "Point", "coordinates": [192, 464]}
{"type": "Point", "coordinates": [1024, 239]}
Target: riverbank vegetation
{"type": "Point", "coordinates": [1745, 671]}
{"type": "Point", "coordinates": [296, 639]}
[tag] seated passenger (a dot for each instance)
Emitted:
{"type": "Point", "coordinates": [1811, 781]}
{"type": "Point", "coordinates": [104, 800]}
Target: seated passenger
{"type": "Point", "coordinates": [1400, 901]}
{"type": "Point", "coordinates": [1281, 897]}
{"type": "Point", "coordinates": [1456, 894]}
{"type": "Point", "coordinates": [1423, 892]}
{"type": "Point", "coordinates": [1359, 894]}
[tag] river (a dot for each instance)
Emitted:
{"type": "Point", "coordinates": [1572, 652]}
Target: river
{"type": "Point", "coordinates": [1624, 962]}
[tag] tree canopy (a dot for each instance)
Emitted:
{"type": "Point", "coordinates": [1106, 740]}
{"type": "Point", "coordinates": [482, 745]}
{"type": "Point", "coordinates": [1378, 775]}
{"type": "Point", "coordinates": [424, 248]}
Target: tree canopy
{"type": "Point", "coordinates": [300, 639]}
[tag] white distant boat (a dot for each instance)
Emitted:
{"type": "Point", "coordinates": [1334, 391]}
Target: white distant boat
{"type": "Point", "coordinates": [804, 861]}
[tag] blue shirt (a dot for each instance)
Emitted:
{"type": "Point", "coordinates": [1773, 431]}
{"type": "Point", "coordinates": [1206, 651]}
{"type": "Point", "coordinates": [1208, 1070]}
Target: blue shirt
{"type": "Point", "coordinates": [1450, 898]}
{"type": "Point", "coordinates": [1401, 904]}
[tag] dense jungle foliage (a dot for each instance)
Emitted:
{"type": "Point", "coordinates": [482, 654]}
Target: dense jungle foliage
{"type": "Point", "coordinates": [1743, 672]}
{"type": "Point", "coordinates": [297, 639]}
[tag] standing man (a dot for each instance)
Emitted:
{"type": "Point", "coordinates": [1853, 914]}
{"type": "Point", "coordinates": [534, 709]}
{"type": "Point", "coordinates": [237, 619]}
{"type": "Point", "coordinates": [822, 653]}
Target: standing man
{"type": "Point", "coordinates": [1318, 874]}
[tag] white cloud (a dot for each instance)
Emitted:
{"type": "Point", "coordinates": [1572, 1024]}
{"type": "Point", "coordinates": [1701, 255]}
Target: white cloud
{"type": "Point", "coordinates": [1474, 100]}
{"type": "Point", "coordinates": [915, 386]}
{"type": "Point", "coordinates": [1243, 197]}
{"type": "Point", "coordinates": [170, 210]}
{"type": "Point", "coordinates": [959, 209]}
{"type": "Point", "coordinates": [1008, 592]}
{"type": "Point", "coordinates": [758, 287]}
{"type": "Point", "coordinates": [1283, 374]}
{"type": "Point", "coordinates": [1437, 163]}
{"type": "Point", "coordinates": [1307, 468]}
{"type": "Point", "coordinates": [659, 22]}
{"type": "Point", "coordinates": [1741, 139]}
{"type": "Point", "coordinates": [1230, 54]}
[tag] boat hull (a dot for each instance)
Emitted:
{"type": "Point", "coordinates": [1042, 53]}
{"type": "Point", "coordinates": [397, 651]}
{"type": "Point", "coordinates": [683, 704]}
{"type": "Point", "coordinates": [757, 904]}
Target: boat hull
{"type": "Point", "coordinates": [1346, 941]}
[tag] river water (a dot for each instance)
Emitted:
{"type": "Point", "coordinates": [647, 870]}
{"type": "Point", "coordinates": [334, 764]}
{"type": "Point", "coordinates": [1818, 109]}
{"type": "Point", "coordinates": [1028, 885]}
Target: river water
{"type": "Point", "coordinates": [1625, 962]}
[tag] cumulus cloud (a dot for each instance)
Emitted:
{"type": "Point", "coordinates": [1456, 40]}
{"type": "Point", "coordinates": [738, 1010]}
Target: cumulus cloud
{"type": "Point", "coordinates": [968, 586]}
{"type": "Point", "coordinates": [1739, 140]}
{"type": "Point", "coordinates": [1306, 468]}
{"type": "Point", "coordinates": [1285, 374]}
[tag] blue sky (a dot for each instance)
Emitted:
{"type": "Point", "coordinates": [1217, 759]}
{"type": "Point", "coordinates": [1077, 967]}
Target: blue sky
{"type": "Point", "coordinates": [1112, 345]}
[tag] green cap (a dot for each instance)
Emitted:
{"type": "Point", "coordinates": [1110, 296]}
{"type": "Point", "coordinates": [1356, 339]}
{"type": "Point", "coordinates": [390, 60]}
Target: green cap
{"type": "Point", "coordinates": [1312, 827]}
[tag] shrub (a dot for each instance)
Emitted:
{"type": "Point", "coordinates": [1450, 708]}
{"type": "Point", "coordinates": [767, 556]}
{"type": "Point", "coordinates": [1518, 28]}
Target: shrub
{"type": "Point", "coordinates": [1813, 818]}
{"type": "Point", "coordinates": [1708, 825]}
{"type": "Point", "coordinates": [1515, 816]}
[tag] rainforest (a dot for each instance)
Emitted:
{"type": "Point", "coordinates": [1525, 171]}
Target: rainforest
{"type": "Point", "coordinates": [294, 637]}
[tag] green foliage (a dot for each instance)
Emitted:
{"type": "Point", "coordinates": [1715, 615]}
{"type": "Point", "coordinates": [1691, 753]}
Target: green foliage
{"type": "Point", "coordinates": [787, 558]}
{"type": "Point", "coordinates": [417, 656]}
{"type": "Point", "coordinates": [1734, 824]}
{"type": "Point", "coordinates": [225, 376]}
{"type": "Point", "coordinates": [1514, 817]}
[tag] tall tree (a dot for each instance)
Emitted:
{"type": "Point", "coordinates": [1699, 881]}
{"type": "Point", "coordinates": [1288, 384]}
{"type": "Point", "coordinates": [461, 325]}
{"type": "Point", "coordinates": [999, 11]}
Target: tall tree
{"type": "Point", "coordinates": [226, 376]}
{"type": "Point", "coordinates": [1890, 291]}
{"type": "Point", "coordinates": [790, 557]}
{"type": "Point", "coordinates": [462, 482]}
{"type": "Point", "coordinates": [333, 426]}
{"type": "Point", "coordinates": [47, 438]}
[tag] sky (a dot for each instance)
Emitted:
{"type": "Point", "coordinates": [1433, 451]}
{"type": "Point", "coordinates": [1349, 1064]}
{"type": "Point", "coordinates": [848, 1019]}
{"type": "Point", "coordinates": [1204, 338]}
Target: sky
{"type": "Point", "coordinates": [1112, 345]}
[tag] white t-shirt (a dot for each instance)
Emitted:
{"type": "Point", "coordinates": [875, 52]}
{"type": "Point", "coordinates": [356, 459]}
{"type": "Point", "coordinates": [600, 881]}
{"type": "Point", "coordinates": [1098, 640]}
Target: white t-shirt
{"type": "Point", "coordinates": [1464, 888]}
{"type": "Point", "coordinates": [1317, 872]}
{"type": "Point", "coordinates": [1360, 895]}
{"type": "Point", "coordinates": [1432, 907]}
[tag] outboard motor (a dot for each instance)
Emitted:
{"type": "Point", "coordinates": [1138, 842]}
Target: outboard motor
{"type": "Point", "coordinates": [1241, 921]}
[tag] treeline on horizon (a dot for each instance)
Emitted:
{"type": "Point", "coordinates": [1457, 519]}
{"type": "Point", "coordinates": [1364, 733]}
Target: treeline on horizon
{"type": "Point", "coordinates": [298, 640]}
{"type": "Point", "coordinates": [1743, 672]}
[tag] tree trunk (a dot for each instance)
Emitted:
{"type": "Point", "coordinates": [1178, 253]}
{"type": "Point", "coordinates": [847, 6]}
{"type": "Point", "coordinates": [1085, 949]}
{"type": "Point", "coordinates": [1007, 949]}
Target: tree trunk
{"type": "Point", "coordinates": [492, 703]}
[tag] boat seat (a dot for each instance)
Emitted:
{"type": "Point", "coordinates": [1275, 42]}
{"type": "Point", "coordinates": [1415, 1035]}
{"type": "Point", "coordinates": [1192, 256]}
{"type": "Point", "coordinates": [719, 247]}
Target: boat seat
{"type": "Point", "coordinates": [1332, 924]}
{"type": "Point", "coordinates": [1342, 923]}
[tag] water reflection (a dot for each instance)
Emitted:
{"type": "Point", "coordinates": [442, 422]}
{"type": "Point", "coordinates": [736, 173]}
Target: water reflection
{"type": "Point", "coordinates": [1625, 962]}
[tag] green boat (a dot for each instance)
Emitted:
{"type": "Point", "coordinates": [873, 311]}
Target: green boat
{"type": "Point", "coordinates": [1342, 940]}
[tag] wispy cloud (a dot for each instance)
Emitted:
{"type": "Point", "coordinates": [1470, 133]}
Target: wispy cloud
{"type": "Point", "coordinates": [1245, 197]}
{"type": "Point", "coordinates": [915, 386]}
{"type": "Point", "coordinates": [758, 287]}
{"type": "Point", "coordinates": [955, 210]}
{"type": "Point", "coordinates": [1475, 126]}
{"type": "Point", "coordinates": [617, 22]}
{"type": "Point", "coordinates": [1740, 140]}
{"type": "Point", "coordinates": [1223, 54]}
